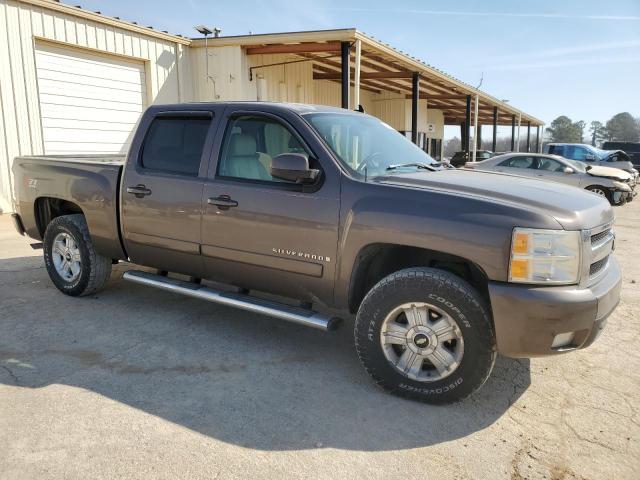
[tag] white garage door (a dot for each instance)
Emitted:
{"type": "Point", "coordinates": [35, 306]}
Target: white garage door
{"type": "Point", "coordinates": [89, 103]}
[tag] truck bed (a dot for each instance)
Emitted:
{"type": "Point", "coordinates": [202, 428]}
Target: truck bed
{"type": "Point", "coordinates": [94, 159]}
{"type": "Point", "coordinates": [89, 183]}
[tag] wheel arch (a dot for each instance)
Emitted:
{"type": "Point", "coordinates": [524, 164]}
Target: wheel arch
{"type": "Point", "coordinates": [377, 260]}
{"type": "Point", "coordinates": [48, 208]}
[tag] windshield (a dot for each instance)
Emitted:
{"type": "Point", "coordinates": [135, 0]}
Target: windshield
{"type": "Point", "coordinates": [363, 143]}
{"type": "Point", "coordinates": [602, 154]}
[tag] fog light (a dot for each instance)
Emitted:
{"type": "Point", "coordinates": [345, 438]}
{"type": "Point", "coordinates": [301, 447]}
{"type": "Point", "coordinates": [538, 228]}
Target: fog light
{"type": "Point", "coordinates": [563, 339]}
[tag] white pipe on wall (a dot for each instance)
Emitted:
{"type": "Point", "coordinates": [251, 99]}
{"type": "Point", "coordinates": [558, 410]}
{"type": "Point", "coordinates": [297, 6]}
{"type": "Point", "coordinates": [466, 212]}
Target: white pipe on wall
{"type": "Point", "coordinates": [475, 129]}
{"type": "Point", "coordinates": [356, 79]}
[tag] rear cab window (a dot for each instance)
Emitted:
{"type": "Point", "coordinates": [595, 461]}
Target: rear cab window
{"type": "Point", "coordinates": [174, 144]}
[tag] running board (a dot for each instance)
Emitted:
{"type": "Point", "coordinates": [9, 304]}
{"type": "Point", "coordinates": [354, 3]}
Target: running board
{"type": "Point", "coordinates": [238, 300]}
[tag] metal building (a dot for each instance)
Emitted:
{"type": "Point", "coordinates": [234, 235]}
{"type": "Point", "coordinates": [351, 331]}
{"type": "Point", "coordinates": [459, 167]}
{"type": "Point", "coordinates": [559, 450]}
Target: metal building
{"type": "Point", "coordinates": [75, 81]}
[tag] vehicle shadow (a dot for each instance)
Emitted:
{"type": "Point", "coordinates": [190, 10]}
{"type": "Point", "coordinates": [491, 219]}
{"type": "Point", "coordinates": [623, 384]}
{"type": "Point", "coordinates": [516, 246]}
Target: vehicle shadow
{"type": "Point", "coordinates": [237, 377]}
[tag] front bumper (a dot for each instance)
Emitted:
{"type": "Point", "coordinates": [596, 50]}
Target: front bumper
{"type": "Point", "coordinates": [528, 318]}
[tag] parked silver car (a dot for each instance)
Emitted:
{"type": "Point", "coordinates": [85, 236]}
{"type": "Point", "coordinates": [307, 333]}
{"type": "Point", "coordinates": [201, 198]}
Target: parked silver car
{"type": "Point", "coordinates": [616, 185]}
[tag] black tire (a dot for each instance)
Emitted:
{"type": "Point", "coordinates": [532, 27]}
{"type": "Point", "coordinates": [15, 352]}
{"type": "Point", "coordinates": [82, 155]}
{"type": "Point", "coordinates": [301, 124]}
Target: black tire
{"type": "Point", "coordinates": [95, 269]}
{"type": "Point", "coordinates": [454, 297]}
{"type": "Point", "coordinates": [619, 203]}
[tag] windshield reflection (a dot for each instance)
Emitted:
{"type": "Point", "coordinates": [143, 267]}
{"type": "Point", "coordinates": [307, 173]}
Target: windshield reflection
{"type": "Point", "coordinates": [366, 145]}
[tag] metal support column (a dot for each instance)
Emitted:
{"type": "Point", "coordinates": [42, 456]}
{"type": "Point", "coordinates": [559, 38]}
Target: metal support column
{"type": "Point", "coordinates": [538, 138]}
{"type": "Point", "coordinates": [495, 129]}
{"type": "Point", "coordinates": [518, 136]}
{"type": "Point", "coordinates": [415, 96]}
{"type": "Point", "coordinates": [345, 50]}
{"type": "Point", "coordinates": [528, 137]}
{"type": "Point", "coordinates": [467, 124]}
{"type": "Point", "coordinates": [513, 133]}
{"type": "Point", "coordinates": [463, 147]}
{"type": "Point", "coordinates": [356, 76]}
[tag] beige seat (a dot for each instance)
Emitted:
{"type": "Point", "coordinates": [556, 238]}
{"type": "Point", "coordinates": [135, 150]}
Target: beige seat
{"type": "Point", "coordinates": [242, 159]}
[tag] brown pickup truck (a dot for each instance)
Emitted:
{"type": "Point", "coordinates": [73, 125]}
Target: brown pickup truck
{"type": "Point", "coordinates": [297, 208]}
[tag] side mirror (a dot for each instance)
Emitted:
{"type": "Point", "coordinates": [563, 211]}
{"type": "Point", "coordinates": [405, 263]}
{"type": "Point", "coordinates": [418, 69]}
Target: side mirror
{"type": "Point", "coordinates": [590, 156]}
{"type": "Point", "coordinates": [568, 170]}
{"type": "Point", "coordinates": [293, 167]}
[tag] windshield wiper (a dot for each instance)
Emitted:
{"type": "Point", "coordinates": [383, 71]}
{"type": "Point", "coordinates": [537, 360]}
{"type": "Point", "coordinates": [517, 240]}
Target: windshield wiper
{"type": "Point", "coordinates": [424, 166]}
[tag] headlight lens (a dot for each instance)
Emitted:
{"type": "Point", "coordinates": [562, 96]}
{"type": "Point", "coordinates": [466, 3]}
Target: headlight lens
{"type": "Point", "coordinates": [544, 256]}
{"type": "Point", "coordinates": [622, 186]}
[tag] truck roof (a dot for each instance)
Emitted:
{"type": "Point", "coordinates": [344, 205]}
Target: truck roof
{"type": "Point", "coordinates": [300, 108]}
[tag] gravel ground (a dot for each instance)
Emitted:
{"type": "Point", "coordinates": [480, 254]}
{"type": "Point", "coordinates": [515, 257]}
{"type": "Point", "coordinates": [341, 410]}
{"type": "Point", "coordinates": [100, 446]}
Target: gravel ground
{"type": "Point", "coordinates": [138, 383]}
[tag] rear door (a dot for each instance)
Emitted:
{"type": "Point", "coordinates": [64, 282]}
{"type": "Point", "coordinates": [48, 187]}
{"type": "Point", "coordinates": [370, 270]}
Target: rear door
{"type": "Point", "coordinates": [162, 189]}
{"type": "Point", "coordinates": [263, 233]}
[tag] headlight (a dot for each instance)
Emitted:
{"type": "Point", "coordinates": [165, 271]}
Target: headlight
{"type": "Point", "coordinates": [544, 256]}
{"type": "Point", "coordinates": [622, 186]}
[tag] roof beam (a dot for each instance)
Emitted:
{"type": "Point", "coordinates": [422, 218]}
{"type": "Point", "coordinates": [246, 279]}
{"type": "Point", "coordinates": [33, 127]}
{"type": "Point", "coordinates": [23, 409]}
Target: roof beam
{"type": "Point", "coordinates": [294, 48]}
{"type": "Point", "coordinates": [365, 75]}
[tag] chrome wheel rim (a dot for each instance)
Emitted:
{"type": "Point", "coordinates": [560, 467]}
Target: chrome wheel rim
{"type": "Point", "coordinates": [422, 342]}
{"type": "Point", "coordinates": [66, 257]}
{"type": "Point", "coordinates": [599, 191]}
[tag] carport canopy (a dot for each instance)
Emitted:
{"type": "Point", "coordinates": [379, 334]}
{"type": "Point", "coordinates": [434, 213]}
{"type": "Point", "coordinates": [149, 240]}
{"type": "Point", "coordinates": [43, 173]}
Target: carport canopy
{"type": "Point", "coordinates": [351, 58]}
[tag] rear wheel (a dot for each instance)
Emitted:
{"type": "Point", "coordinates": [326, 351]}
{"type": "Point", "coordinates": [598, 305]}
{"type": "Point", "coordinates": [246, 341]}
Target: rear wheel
{"type": "Point", "coordinates": [425, 334]}
{"type": "Point", "coordinates": [74, 266]}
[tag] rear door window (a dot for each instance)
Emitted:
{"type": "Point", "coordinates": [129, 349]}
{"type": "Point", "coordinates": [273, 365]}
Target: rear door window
{"type": "Point", "coordinates": [557, 149]}
{"type": "Point", "coordinates": [174, 144]}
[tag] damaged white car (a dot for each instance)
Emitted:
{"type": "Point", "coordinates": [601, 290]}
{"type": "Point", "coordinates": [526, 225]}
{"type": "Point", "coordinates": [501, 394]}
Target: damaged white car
{"type": "Point", "coordinates": [614, 184]}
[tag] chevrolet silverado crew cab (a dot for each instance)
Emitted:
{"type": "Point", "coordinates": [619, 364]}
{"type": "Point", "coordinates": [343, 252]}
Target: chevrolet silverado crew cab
{"type": "Point", "coordinates": [292, 210]}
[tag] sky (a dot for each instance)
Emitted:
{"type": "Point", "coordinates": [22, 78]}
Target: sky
{"type": "Point", "coordinates": [579, 58]}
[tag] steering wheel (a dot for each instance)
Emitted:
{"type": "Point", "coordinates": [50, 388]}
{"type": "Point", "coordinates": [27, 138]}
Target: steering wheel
{"type": "Point", "coordinates": [368, 162]}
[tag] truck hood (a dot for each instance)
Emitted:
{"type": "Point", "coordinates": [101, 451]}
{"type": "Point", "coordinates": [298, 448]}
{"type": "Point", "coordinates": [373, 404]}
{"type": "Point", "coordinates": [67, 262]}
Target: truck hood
{"type": "Point", "coordinates": [608, 172]}
{"type": "Point", "coordinates": [572, 208]}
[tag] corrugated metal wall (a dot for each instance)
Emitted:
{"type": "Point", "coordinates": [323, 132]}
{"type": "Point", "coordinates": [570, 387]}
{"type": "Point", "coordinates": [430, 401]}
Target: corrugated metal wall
{"type": "Point", "coordinates": [20, 25]}
{"type": "Point", "coordinates": [174, 72]}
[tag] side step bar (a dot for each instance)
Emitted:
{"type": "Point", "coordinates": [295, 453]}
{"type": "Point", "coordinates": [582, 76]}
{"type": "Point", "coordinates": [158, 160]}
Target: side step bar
{"type": "Point", "coordinates": [244, 302]}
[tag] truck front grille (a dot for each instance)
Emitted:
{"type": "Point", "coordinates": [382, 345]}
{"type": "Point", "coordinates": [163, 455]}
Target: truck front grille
{"type": "Point", "coordinates": [597, 267]}
{"type": "Point", "coordinates": [601, 248]}
{"type": "Point", "coordinates": [599, 237]}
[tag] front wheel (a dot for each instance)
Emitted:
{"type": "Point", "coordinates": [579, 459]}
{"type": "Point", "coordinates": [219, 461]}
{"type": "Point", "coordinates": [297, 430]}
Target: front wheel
{"type": "Point", "coordinates": [602, 192]}
{"type": "Point", "coordinates": [425, 334]}
{"type": "Point", "coordinates": [74, 266]}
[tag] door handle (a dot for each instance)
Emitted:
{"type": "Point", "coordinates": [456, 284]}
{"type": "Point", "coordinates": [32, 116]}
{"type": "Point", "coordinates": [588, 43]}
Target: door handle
{"type": "Point", "coordinates": [223, 202]}
{"type": "Point", "coordinates": [139, 191]}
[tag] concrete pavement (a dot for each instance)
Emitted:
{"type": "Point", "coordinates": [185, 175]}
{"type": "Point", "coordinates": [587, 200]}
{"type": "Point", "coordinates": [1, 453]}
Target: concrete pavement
{"type": "Point", "coordinates": [138, 383]}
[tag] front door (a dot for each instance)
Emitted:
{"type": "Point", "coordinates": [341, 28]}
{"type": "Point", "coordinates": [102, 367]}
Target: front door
{"type": "Point", "coordinates": [263, 233]}
{"type": "Point", "coordinates": [162, 191]}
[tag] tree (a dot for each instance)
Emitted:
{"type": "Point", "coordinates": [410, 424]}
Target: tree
{"type": "Point", "coordinates": [622, 127]}
{"type": "Point", "coordinates": [598, 132]}
{"type": "Point", "coordinates": [562, 129]}
{"type": "Point", "coordinates": [452, 146]}
{"type": "Point", "coordinates": [580, 125]}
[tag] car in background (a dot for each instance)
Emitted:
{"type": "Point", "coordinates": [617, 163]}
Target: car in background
{"type": "Point", "coordinates": [460, 158]}
{"type": "Point", "coordinates": [615, 185]}
{"type": "Point", "coordinates": [632, 149]}
{"type": "Point", "coordinates": [592, 156]}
